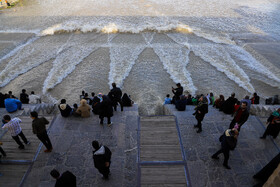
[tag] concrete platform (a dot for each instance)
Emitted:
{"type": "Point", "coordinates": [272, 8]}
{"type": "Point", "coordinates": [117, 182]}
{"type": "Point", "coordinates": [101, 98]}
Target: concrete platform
{"type": "Point", "coordinates": [71, 138]}
{"type": "Point", "coordinates": [250, 155]}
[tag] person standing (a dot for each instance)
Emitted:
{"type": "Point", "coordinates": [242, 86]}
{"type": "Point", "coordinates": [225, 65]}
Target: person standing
{"type": "Point", "coordinates": [66, 179]}
{"type": "Point", "coordinates": [273, 127]}
{"type": "Point", "coordinates": [13, 125]}
{"type": "Point", "coordinates": [228, 142]}
{"type": "Point", "coordinates": [102, 159]}
{"type": "Point", "coordinates": [116, 94]}
{"type": "Point", "coordinates": [201, 110]}
{"type": "Point", "coordinates": [39, 128]}
{"type": "Point", "coordinates": [240, 116]}
{"type": "Point", "coordinates": [105, 110]}
{"type": "Point", "coordinates": [24, 97]}
{"type": "Point", "coordinates": [177, 92]}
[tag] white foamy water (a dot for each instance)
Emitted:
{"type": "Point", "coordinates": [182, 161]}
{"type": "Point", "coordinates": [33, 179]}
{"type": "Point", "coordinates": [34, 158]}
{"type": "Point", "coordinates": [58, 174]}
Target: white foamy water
{"type": "Point", "coordinates": [175, 61]}
{"type": "Point", "coordinates": [70, 31]}
{"type": "Point", "coordinates": [122, 60]}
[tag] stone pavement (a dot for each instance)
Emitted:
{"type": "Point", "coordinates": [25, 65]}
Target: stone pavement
{"type": "Point", "coordinates": [71, 138]}
{"type": "Point", "coordinates": [250, 155]}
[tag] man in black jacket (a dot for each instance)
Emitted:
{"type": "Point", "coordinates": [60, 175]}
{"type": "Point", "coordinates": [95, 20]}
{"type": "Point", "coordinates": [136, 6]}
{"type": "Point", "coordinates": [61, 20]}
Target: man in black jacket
{"type": "Point", "coordinates": [240, 116]}
{"type": "Point", "coordinates": [66, 179]}
{"type": "Point", "coordinates": [116, 96]}
{"type": "Point", "coordinates": [64, 108]}
{"type": "Point", "coordinates": [24, 97]}
{"type": "Point", "coordinates": [177, 93]}
{"type": "Point", "coordinates": [228, 142]}
{"type": "Point", "coordinates": [102, 159]}
{"type": "Point", "coordinates": [39, 128]}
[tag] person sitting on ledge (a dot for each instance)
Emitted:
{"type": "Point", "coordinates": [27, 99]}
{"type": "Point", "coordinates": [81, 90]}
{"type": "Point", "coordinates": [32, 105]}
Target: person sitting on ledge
{"type": "Point", "coordinates": [255, 99]}
{"type": "Point", "coordinates": [273, 127]}
{"type": "Point", "coordinates": [177, 92]}
{"type": "Point", "coordinates": [219, 102]}
{"type": "Point", "coordinates": [64, 108]}
{"type": "Point", "coordinates": [167, 100]}
{"type": "Point", "coordinates": [34, 99]}
{"type": "Point", "coordinates": [24, 97]}
{"type": "Point", "coordinates": [12, 105]}
{"type": "Point", "coordinates": [75, 108]}
{"type": "Point", "coordinates": [126, 100]}
{"type": "Point", "coordinates": [10, 95]}
{"type": "Point", "coordinates": [2, 100]}
{"type": "Point", "coordinates": [228, 106]}
{"type": "Point", "coordinates": [181, 104]}
{"type": "Point", "coordinates": [189, 100]}
{"type": "Point", "coordinates": [84, 109]}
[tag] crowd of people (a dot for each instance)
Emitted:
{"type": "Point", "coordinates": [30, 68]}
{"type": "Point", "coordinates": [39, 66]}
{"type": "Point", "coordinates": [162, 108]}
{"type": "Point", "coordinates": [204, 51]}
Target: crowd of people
{"type": "Point", "coordinates": [104, 105]}
{"type": "Point", "coordinates": [12, 103]}
{"type": "Point", "coordinates": [101, 104]}
{"type": "Point", "coordinates": [238, 109]}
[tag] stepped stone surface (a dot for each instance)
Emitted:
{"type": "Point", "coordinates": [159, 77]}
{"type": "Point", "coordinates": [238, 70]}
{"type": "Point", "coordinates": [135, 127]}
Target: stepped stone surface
{"type": "Point", "coordinates": [250, 155]}
{"type": "Point", "coordinates": [159, 142]}
{"type": "Point", "coordinates": [71, 138]}
{"type": "Point", "coordinates": [17, 162]}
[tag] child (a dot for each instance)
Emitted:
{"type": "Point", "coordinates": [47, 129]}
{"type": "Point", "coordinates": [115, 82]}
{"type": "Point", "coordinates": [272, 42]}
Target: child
{"type": "Point", "coordinates": [167, 100]}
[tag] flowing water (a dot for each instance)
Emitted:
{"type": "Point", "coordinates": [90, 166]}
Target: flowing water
{"type": "Point", "coordinates": [145, 46]}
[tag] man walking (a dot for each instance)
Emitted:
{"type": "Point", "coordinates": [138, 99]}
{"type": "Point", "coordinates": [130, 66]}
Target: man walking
{"type": "Point", "coordinates": [102, 159]}
{"type": "Point", "coordinates": [66, 179]}
{"type": "Point", "coordinates": [116, 94]}
{"type": "Point", "coordinates": [39, 128]}
{"type": "Point", "coordinates": [13, 125]}
{"type": "Point", "coordinates": [240, 116]}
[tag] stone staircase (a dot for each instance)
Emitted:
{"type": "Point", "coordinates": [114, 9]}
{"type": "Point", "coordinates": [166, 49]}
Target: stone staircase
{"type": "Point", "coordinates": [161, 159]}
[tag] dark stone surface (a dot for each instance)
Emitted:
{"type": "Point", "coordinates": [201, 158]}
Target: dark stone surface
{"type": "Point", "coordinates": [71, 138]}
{"type": "Point", "coordinates": [250, 155]}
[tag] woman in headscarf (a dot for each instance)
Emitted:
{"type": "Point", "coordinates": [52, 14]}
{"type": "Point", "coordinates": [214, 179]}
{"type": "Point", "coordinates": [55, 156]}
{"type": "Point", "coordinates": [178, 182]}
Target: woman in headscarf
{"type": "Point", "coordinates": [273, 127]}
{"type": "Point", "coordinates": [201, 110]}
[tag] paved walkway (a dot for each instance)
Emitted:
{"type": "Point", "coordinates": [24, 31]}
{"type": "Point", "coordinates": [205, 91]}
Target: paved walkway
{"type": "Point", "coordinates": [161, 162]}
{"type": "Point", "coordinates": [250, 155]}
{"type": "Point", "coordinates": [72, 137]}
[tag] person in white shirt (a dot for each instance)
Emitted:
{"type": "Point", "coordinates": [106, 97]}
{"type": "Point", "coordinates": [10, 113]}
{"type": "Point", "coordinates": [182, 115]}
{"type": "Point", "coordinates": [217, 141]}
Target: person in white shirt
{"type": "Point", "coordinates": [13, 125]}
{"type": "Point", "coordinates": [34, 99]}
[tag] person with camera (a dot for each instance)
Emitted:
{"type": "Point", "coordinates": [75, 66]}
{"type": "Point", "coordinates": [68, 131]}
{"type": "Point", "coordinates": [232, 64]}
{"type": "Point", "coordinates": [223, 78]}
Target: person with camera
{"type": "Point", "coordinates": [228, 142]}
{"type": "Point", "coordinates": [177, 93]}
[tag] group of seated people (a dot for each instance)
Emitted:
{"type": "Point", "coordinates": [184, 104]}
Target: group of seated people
{"type": "Point", "coordinates": [100, 104]}
{"type": "Point", "coordinates": [227, 106]}
{"type": "Point", "coordinates": [12, 103]}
